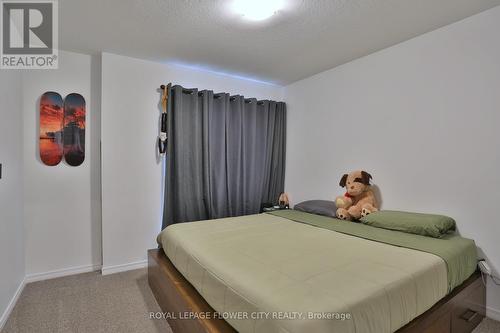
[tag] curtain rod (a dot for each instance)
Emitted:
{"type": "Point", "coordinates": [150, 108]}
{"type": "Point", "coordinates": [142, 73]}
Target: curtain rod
{"type": "Point", "coordinates": [189, 91]}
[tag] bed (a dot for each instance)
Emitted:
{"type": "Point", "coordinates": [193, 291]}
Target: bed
{"type": "Point", "coordinates": [290, 271]}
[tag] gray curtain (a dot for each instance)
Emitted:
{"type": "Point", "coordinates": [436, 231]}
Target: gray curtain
{"type": "Point", "coordinates": [225, 155]}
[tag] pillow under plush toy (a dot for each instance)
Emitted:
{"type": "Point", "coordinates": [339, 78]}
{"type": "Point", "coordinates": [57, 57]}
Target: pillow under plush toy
{"type": "Point", "coordinates": [318, 207]}
{"type": "Point", "coordinates": [414, 223]}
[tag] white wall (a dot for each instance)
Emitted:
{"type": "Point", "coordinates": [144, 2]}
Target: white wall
{"type": "Point", "coordinates": [62, 214]}
{"type": "Point", "coordinates": [131, 170]}
{"type": "Point", "coordinates": [423, 117]}
{"type": "Point", "coordinates": [11, 187]}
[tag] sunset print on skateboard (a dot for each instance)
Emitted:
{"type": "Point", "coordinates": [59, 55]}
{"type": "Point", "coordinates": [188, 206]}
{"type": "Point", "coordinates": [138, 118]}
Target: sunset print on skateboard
{"type": "Point", "coordinates": [74, 129]}
{"type": "Point", "coordinates": [51, 128]}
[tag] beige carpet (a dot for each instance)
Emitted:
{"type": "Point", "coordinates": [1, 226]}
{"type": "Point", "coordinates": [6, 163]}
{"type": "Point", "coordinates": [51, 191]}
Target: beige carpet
{"type": "Point", "coordinates": [488, 326]}
{"type": "Point", "coordinates": [95, 303]}
{"type": "Point", "coordinates": [87, 303]}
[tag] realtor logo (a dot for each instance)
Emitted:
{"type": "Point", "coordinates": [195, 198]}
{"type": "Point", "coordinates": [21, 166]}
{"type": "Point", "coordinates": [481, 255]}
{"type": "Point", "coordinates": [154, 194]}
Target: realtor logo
{"type": "Point", "coordinates": [29, 34]}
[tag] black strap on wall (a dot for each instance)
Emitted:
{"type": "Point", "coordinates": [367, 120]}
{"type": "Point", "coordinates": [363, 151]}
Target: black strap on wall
{"type": "Point", "coordinates": [162, 138]}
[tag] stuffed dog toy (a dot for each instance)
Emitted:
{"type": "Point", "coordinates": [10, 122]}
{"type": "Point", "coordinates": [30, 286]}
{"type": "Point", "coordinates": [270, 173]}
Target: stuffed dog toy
{"type": "Point", "coordinates": [358, 201]}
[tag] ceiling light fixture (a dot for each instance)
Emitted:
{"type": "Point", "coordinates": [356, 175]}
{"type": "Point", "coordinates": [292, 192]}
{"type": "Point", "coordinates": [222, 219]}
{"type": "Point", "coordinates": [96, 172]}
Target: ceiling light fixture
{"type": "Point", "coordinates": [257, 10]}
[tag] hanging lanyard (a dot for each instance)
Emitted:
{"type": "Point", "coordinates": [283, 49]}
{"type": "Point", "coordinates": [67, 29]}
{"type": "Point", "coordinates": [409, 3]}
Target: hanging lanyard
{"type": "Point", "coordinates": [162, 139]}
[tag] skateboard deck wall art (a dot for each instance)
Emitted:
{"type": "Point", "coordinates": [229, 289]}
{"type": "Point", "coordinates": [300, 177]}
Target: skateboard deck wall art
{"type": "Point", "coordinates": [51, 128]}
{"type": "Point", "coordinates": [74, 129]}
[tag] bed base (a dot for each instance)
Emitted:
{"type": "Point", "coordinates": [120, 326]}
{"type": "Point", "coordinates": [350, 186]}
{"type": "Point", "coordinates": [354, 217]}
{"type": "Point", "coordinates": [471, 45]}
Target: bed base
{"type": "Point", "coordinates": [459, 312]}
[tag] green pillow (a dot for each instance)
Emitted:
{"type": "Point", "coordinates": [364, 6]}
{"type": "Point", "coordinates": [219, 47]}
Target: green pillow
{"type": "Point", "coordinates": [414, 223]}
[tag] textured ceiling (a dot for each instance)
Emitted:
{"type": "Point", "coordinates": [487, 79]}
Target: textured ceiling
{"type": "Point", "coordinates": [307, 37]}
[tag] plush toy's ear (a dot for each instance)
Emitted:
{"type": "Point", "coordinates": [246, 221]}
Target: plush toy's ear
{"type": "Point", "coordinates": [366, 177]}
{"type": "Point", "coordinates": [343, 180]}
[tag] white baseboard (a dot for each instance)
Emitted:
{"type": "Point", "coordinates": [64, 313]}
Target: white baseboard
{"type": "Point", "coordinates": [493, 313]}
{"type": "Point", "coordinates": [61, 272]}
{"type": "Point", "coordinates": [11, 304]}
{"type": "Point", "coordinates": [106, 270]}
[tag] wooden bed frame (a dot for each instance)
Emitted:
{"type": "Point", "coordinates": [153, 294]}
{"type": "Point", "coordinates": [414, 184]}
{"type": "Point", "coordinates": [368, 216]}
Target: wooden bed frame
{"type": "Point", "coordinates": [459, 312]}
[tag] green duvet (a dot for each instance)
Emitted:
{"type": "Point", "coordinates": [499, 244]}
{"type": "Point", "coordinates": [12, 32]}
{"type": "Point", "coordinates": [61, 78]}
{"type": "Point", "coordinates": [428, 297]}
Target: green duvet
{"type": "Point", "coordinates": [459, 253]}
{"type": "Point", "coordinates": [293, 272]}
